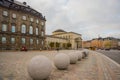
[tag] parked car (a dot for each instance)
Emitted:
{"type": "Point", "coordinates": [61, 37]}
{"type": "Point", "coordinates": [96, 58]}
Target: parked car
{"type": "Point", "coordinates": [23, 48]}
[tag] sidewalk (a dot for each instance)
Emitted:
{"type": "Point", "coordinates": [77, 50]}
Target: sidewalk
{"type": "Point", "coordinates": [13, 66]}
{"type": "Point", "coordinates": [95, 67]}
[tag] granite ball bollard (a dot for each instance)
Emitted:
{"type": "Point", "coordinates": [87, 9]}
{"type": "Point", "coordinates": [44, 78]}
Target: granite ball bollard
{"type": "Point", "coordinates": [73, 58]}
{"type": "Point", "coordinates": [39, 67]}
{"type": "Point", "coordinates": [83, 54]}
{"type": "Point", "coordinates": [79, 56]}
{"type": "Point", "coordinates": [61, 61]}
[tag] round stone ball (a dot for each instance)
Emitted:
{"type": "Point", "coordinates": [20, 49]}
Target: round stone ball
{"type": "Point", "coordinates": [79, 55]}
{"type": "Point", "coordinates": [61, 61]}
{"type": "Point", "coordinates": [83, 54]}
{"type": "Point", "coordinates": [73, 58]}
{"type": "Point", "coordinates": [39, 67]}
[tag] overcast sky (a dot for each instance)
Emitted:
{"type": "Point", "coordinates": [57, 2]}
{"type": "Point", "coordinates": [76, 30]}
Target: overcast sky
{"type": "Point", "coordinates": [87, 17]}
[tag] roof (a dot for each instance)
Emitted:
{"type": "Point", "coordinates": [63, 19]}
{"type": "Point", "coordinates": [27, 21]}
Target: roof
{"type": "Point", "coordinates": [59, 30]}
{"type": "Point", "coordinates": [18, 6]}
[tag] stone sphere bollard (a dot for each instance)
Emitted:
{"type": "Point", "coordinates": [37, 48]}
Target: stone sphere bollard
{"type": "Point", "coordinates": [39, 67]}
{"type": "Point", "coordinates": [62, 61]}
{"type": "Point", "coordinates": [79, 55]}
{"type": "Point", "coordinates": [73, 58]}
{"type": "Point", "coordinates": [83, 54]}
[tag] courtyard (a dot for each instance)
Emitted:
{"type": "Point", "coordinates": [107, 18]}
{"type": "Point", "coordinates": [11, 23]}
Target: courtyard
{"type": "Point", "coordinates": [13, 66]}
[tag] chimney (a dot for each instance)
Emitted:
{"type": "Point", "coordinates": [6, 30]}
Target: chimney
{"type": "Point", "coordinates": [24, 3]}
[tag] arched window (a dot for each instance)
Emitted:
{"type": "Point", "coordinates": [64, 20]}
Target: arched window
{"type": "Point", "coordinates": [31, 30]}
{"type": "Point", "coordinates": [23, 28]}
{"type": "Point", "coordinates": [13, 28]}
{"type": "Point", "coordinates": [36, 30]}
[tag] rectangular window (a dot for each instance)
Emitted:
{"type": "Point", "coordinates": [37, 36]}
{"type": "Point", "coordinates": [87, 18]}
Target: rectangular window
{"type": "Point", "coordinates": [13, 15]}
{"type": "Point", "coordinates": [23, 40]}
{"type": "Point", "coordinates": [13, 28]}
{"type": "Point", "coordinates": [4, 27]}
{"type": "Point", "coordinates": [5, 13]}
{"type": "Point", "coordinates": [24, 17]}
{"type": "Point", "coordinates": [42, 23]}
{"type": "Point", "coordinates": [42, 43]}
{"type": "Point", "coordinates": [36, 31]}
{"type": "Point", "coordinates": [37, 21]}
{"type": "Point", "coordinates": [3, 39]}
{"type": "Point", "coordinates": [42, 33]}
{"type": "Point", "coordinates": [31, 19]}
{"type": "Point", "coordinates": [37, 41]}
{"type": "Point", "coordinates": [31, 41]}
{"type": "Point", "coordinates": [12, 40]}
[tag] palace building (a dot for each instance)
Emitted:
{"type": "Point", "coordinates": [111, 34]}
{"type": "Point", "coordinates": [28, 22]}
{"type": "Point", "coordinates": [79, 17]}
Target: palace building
{"type": "Point", "coordinates": [63, 40]}
{"type": "Point", "coordinates": [20, 25]}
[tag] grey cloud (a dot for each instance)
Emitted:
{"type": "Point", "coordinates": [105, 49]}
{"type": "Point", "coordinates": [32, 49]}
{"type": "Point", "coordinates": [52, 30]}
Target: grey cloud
{"type": "Point", "coordinates": [87, 17]}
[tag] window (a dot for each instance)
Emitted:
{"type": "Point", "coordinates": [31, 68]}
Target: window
{"type": "Point", "coordinates": [23, 28]}
{"type": "Point", "coordinates": [37, 41]}
{"type": "Point", "coordinates": [42, 43]}
{"type": "Point", "coordinates": [31, 41]}
{"type": "Point", "coordinates": [13, 28]}
{"type": "Point", "coordinates": [3, 39]}
{"type": "Point", "coordinates": [23, 40]}
{"type": "Point", "coordinates": [31, 30]}
{"type": "Point", "coordinates": [31, 19]}
{"type": "Point", "coordinates": [42, 23]}
{"type": "Point", "coordinates": [5, 13]}
{"type": "Point", "coordinates": [24, 17]}
{"type": "Point", "coordinates": [37, 21]}
{"type": "Point", "coordinates": [36, 31]}
{"type": "Point", "coordinates": [42, 33]}
{"type": "Point", "coordinates": [12, 40]}
{"type": "Point", "coordinates": [4, 27]}
{"type": "Point", "coordinates": [13, 15]}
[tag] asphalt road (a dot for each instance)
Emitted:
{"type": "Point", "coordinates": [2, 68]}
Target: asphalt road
{"type": "Point", "coordinates": [113, 54]}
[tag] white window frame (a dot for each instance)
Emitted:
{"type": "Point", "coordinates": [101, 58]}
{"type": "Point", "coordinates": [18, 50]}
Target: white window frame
{"type": "Point", "coordinates": [13, 28]}
{"type": "Point", "coordinates": [31, 41]}
{"type": "Point", "coordinates": [5, 13]}
{"type": "Point", "coordinates": [31, 19]}
{"type": "Point", "coordinates": [12, 40]}
{"type": "Point", "coordinates": [23, 28]}
{"type": "Point", "coordinates": [14, 15]}
{"type": "Point", "coordinates": [4, 27]}
{"type": "Point", "coordinates": [30, 30]}
{"type": "Point", "coordinates": [23, 40]}
{"type": "Point", "coordinates": [24, 17]}
{"type": "Point", "coordinates": [37, 31]}
{"type": "Point", "coordinates": [3, 40]}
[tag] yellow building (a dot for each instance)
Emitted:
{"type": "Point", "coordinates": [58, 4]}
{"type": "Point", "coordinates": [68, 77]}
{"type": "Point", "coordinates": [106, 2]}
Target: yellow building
{"type": "Point", "coordinates": [102, 43]}
{"type": "Point", "coordinates": [63, 39]}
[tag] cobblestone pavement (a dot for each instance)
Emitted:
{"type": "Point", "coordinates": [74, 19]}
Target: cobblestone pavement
{"type": "Point", "coordinates": [13, 66]}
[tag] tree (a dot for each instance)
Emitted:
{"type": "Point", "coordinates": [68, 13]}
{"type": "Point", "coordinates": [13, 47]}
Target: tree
{"type": "Point", "coordinates": [57, 45]}
{"type": "Point", "coordinates": [68, 45]}
{"type": "Point", "coordinates": [51, 44]}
